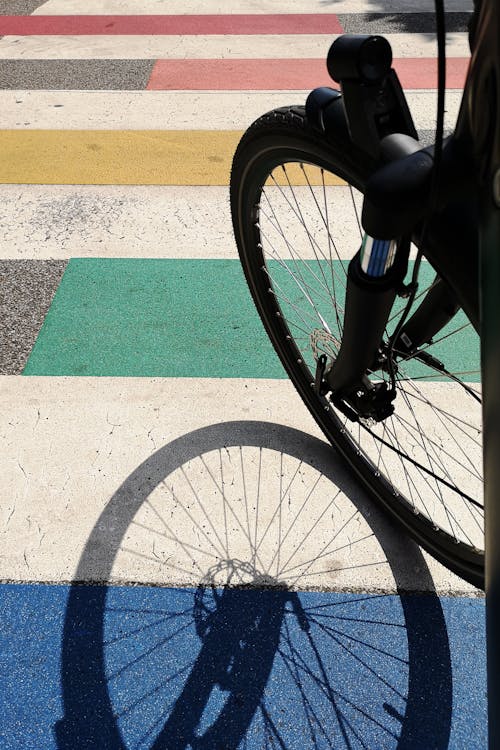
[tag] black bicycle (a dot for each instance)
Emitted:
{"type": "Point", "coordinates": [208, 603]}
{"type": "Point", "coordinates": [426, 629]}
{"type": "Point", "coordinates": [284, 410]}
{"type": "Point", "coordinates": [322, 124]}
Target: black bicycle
{"type": "Point", "coordinates": [361, 251]}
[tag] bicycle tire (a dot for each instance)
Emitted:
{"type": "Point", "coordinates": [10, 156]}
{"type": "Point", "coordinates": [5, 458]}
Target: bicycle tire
{"type": "Point", "coordinates": [284, 137]}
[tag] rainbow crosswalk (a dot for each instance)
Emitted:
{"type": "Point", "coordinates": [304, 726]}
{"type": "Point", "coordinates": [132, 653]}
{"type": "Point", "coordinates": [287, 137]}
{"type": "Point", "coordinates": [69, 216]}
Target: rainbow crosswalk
{"type": "Point", "coordinates": [152, 445]}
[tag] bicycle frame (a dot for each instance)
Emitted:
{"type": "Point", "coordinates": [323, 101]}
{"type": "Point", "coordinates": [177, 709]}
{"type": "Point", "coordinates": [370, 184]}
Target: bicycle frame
{"type": "Point", "coordinates": [462, 236]}
{"type": "Point", "coordinates": [483, 90]}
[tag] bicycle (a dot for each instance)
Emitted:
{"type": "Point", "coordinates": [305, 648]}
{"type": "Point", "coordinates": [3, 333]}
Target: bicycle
{"type": "Point", "coordinates": [381, 337]}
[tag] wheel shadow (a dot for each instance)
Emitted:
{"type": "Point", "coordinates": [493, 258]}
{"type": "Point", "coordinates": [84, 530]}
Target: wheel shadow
{"type": "Point", "coordinates": [264, 641]}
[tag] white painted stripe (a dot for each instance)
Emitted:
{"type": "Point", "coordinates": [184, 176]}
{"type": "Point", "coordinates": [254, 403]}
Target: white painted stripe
{"type": "Point", "coordinates": [134, 221]}
{"type": "Point", "coordinates": [63, 221]}
{"type": "Point", "coordinates": [167, 7]}
{"type": "Point", "coordinates": [112, 221]}
{"type": "Point", "coordinates": [423, 107]}
{"type": "Point", "coordinates": [209, 47]}
{"type": "Point", "coordinates": [69, 445]}
{"type": "Point", "coordinates": [139, 110]}
{"type": "Point", "coordinates": [41, 222]}
{"type": "Point", "coordinates": [172, 110]}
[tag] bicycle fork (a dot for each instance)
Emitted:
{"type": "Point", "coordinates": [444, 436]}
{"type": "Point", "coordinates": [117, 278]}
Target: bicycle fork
{"type": "Point", "coordinates": [376, 114]}
{"type": "Point", "coordinates": [375, 278]}
{"type": "Point", "coordinates": [375, 275]}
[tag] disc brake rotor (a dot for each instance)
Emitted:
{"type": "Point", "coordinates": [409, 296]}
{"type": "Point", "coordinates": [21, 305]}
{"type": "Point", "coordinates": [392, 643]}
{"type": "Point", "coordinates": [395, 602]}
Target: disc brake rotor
{"type": "Point", "coordinates": [323, 342]}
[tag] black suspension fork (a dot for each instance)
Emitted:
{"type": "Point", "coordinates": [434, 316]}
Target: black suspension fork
{"type": "Point", "coordinates": [375, 112]}
{"type": "Point", "coordinates": [374, 278]}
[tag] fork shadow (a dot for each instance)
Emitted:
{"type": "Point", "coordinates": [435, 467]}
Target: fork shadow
{"type": "Point", "coordinates": [233, 652]}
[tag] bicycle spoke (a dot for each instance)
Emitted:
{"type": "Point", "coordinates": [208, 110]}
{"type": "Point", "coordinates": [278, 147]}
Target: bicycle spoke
{"type": "Point", "coordinates": [293, 253]}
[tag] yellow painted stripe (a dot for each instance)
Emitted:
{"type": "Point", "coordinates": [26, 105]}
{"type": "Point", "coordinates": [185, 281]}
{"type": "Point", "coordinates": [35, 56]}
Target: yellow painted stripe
{"type": "Point", "coordinates": [125, 157]}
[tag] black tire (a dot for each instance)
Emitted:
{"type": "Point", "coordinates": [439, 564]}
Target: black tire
{"type": "Point", "coordinates": [434, 475]}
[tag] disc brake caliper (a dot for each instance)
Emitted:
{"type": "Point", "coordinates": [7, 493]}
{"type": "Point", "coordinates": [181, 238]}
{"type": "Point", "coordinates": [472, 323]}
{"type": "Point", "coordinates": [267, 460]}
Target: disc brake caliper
{"type": "Point", "coordinates": [368, 402]}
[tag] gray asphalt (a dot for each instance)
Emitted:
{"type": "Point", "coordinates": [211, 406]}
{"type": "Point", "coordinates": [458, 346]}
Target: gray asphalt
{"type": "Point", "coordinates": [26, 291]}
{"type": "Point", "coordinates": [393, 23]}
{"type": "Point", "coordinates": [116, 75]}
{"type": "Point", "coordinates": [19, 7]}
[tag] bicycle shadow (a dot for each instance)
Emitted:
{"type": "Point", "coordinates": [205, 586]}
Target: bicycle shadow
{"type": "Point", "coordinates": [381, 20]}
{"type": "Point", "coordinates": [228, 657]}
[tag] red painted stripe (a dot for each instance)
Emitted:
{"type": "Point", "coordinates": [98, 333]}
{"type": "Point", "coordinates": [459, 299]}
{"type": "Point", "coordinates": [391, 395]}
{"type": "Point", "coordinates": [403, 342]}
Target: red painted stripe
{"type": "Point", "coordinates": [421, 73]}
{"type": "Point", "coordinates": [226, 75]}
{"type": "Point", "coordinates": [293, 23]}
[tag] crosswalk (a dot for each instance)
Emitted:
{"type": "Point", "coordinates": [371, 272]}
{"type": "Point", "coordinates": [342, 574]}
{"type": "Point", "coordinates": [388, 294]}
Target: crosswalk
{"type": "Point", "coordinates": [134, 199]}
{"type": "Point", "coordinates": [148, 431]}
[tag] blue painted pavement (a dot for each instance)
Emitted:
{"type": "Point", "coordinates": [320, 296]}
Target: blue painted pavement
{"type": "Point", "coordinates": [140, 667]}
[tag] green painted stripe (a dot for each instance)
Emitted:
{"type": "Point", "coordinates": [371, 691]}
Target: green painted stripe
{"type": "Point", "coordinates": [164, 318]}
{"type": "Point", "coordinates": [149, 317]}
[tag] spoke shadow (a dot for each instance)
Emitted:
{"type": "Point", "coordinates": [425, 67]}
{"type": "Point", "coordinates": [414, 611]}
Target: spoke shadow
{"type": "Point", "coordinates": [240, 516]}
{"type": "Point", "coordinates": [380, 19]}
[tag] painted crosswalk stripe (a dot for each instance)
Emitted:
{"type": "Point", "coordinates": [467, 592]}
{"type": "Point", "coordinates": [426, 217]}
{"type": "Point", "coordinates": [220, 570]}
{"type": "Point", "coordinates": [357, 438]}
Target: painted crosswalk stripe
{"type": "Point", "coordinates": [132, 221]}
{"type": "Point", "coordinates": [175, 110]}
{"type": "Point", "coordinates": [93, 436]}
{"type": "Point", "coordinates": [303, 73]}
{"type": "Point", "coordinates": [296, 23]}
{"type": "Point", "coordinates": [175, 322]}
{"type": "Point", "coordinates": [112, 157]}
{"type": "Point", "coordinates": [117, 157]}
{"type": "Point", "coordinates": [233, 23]}
{"type": "Point", "coordinates": [93, 7]}
{"type": "Point", "coordinates": [116, 221]}
{"type": "Point", "coordinates": [60, 222]}
{"type": "Point", "coordinates": [272, 46]}
{"type": "Point", "coordinates": [87, 330]}
{"type": "Point", "coordinates": [119, 655]}
{"type": "Point", "coordinates": [63, 221]}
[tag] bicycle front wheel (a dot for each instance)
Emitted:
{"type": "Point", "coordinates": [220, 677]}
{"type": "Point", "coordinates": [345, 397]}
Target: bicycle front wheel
{"type": "Point", "coordinates": [296, 202]}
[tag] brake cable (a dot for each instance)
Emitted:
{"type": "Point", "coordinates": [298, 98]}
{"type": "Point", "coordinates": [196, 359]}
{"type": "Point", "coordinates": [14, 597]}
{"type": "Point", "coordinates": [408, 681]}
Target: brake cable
{"type": "Point", "coordinates": [434, 187]}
